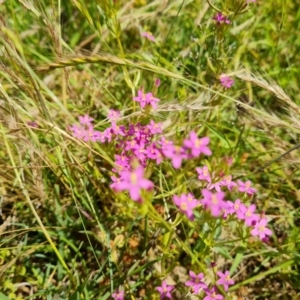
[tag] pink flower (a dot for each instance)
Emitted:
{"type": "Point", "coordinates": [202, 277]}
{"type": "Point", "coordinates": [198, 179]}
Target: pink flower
{"type": "Point", "coordinates": [227, 181]}
{"type": "Point", "coordinates": [118, 130]}
{"type": "Point", "coordinates": [227, 209]}
{"type": "Point", "coordinates": [211, 294]}
{"type": "Point", "coordinates": [237, 205]}
{"type": "Point", "coordinates": [85, 120]}
{"type": "Point", "coordinates": [113, 115]}
{"type": "Point", "coordinates": [118, 295]}
{"type": "Point", "coordinates": [196, 282]}
{"type": "Point", "coordinates": [186, 204]}
{"type": "Point", "coordinates": [247, 213]}
{"type": "Point", "coordinates": [157, 82]}
{"type": "Point", "coordinates": [246, 187]}
{"type": "Point", "coordinates": [219, 18]}
{"type": "Point", "coordinates": [226, 81]}
{"type": "Point", "coordinates": [107, 134]}
{"type": "Point", "coordinates": [164, 143]}
{"type": "Point", "coordinates": [215, 186]}
{"type": "Point", "coordinates": [197, 145]}
{"type": "Point", "coordinates": [261, 230]}
{"type": "Point", "coordinates": [32, 124]}
{"type": "Point", "coordinates": [203, 174]}
{"type": "Point", "coordinates": [154, 128]}
{"type": "Point", "coordinates": [115, 184]}
{"type": "Point", "coordinates": [134, 181]}
{"type": "Point", "coordinates": [91, 135]}
{"type": "Point", "coordinates": [230, 208]}
{"type": "Point", "coordinates": [176, 153]}
{"type": "Point", "coordinates": [247, 1]}
{"type": "Point", "coordinates": [154, 153]}
{"type": "Point", "coordinates": [78, 131]}
{"type": "Point", "coordinates": [225, 280]}
{"type": "Point", "coordinates": [146, 99]}
{"type": "Point", "coordinates": [165, 290]}
{"type": "Point", "coordinates": [148, 35]}
{"type": "Point", "coordinates": [214, 202]}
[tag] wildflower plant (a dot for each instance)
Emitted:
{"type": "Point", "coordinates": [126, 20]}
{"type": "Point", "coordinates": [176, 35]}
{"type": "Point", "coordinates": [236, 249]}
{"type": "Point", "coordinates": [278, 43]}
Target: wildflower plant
{"type": "Point", "coordinates": [138, 148]}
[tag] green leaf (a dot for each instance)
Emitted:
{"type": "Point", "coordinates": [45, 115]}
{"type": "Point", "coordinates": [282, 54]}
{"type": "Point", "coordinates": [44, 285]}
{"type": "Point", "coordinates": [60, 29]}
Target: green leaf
{"type": "Point", "coordinates": [223, 252]}
{"type": "Point", "coordinates": [3, 297]}
{"type": "Point", "coordinates": [237, 260]}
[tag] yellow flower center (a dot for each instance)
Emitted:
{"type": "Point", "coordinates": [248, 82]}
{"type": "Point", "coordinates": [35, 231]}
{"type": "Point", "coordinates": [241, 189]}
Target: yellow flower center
{"type": "Point", "coordinates": [133, 178]}
{"type": "Point", "coordinates": [214, 199]}
{"type": "Point", "coordinates": [183, 206]}
{"type": "Point", "coordinates": [197, 143]}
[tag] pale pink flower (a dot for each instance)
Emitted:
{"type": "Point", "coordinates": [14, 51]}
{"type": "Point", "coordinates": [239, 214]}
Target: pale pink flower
{"type": "Point", "coordinates": [196, 145]}
{"type": "Point", "coordinates": [134, 181]}
{"type": "Point", "coordinates": [176, 154]}
{"type": "Point", "coordinates": [227, 181]}
{"type": "Point", "coordinates": [247, 213]}
{"type": "Point", "coordinates": [165, 290]}
{"type": "Point", "coordinates": [85, 120]}
{"type": "Point", "coordinates": [261, 230]}
{"type": "Point", "coordinates": [118, 295]}
{"type": "Point", "coordinates": [203, 174]}
{"type": "Point", "coordinates": [214, 202]}
{"type": "Point", "coordinates": [226, 81]}
{"type": "Point", "coordinates": [186, 204]}
{"type": "Point", "coordinates": [148, 35]}
{"type": "Point", "coordinates": [113, 115]}
{"type": "Point", "coordinates": [225, 280]}
{"type": "Point", "coordinates": [211, 294]}
{"type": "Point", "coordinates": [195, 282]}
{"type": "Point", "coordinates": [146, 99]}
{"type": "Point", "coordinates": [246, 187]}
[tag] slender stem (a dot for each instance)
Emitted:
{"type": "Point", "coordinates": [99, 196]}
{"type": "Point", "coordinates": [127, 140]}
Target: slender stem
{"type": "Point", "coordinates": [29, 202]}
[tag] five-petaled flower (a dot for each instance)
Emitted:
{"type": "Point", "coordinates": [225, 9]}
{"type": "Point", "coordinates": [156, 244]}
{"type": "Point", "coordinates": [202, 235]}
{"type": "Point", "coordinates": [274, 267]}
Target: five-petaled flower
{"type": "Point", "coordinates": [146, 99]}
{"type": "Point", "coordinates": [203, 174]}
{"type": "Point", "coordinates": [186, 204]}
{"type": "Point", "coordinates": [134, 181]}
{"type": "Point", "coordinates": [176, 153]}
{"type": "Point", "coordinates": [195, 282]}
{"type": "Point", "coordinates": [85, 120]}
{"type": "Point", "coordinates": [214, 202]}
{"type": "Point", "coordinates": [165, 290]}
{"type": "Point", "coordinates": [196, 145]}
{"type": "Point", "coordinates": [261, 230]}
{"type": "Point", "coordinates": [225, 280]}
{"type": "Point", "coordinates": [246, 187]}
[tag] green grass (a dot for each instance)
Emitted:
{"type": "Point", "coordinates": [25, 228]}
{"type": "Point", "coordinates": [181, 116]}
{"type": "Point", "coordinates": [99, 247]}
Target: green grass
{"type": "Point", "coordinates": [64, 233]}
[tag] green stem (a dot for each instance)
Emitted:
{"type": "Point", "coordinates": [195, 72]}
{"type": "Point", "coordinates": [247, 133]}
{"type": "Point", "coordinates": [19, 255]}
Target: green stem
{"type": "Point", "coordinates": [29, 202]}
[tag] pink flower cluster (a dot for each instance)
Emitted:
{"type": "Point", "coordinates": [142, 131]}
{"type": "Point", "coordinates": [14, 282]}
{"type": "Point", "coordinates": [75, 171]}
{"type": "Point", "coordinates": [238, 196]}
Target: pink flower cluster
{"type": "Point", "coordinates": [197, 285]}
{"type": "Point", "coordinates": [85, 130]}
{"type": "Point", "coordinates": [141, 144]}
{"type": "Point", "coordinates": [218, 206]}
